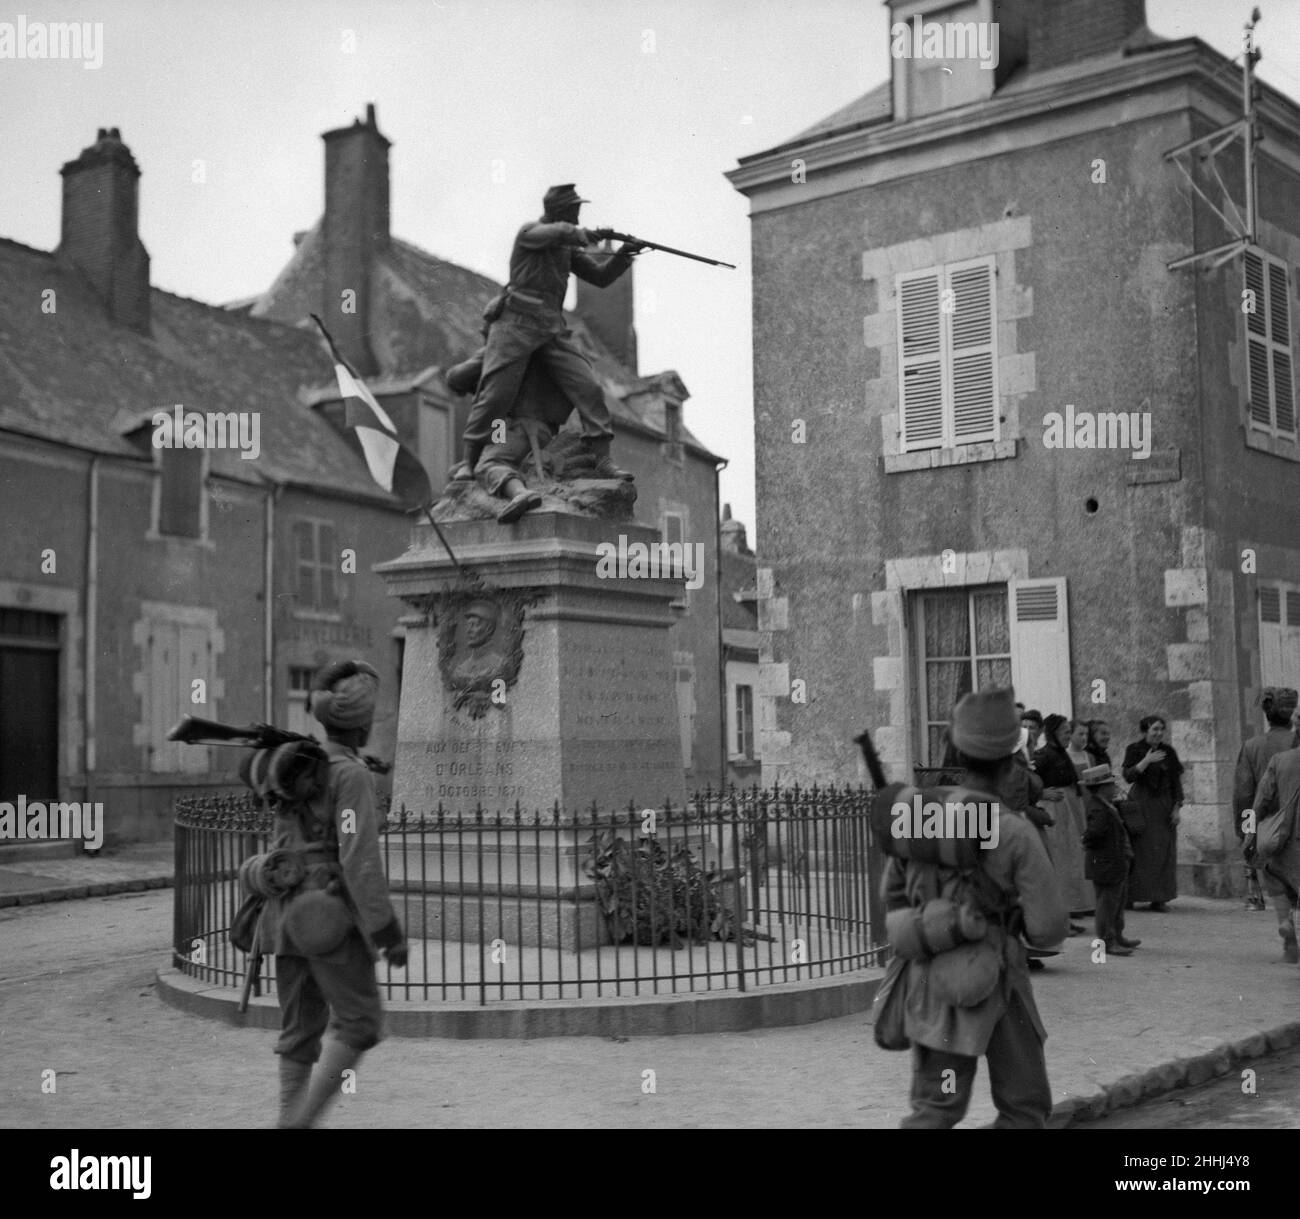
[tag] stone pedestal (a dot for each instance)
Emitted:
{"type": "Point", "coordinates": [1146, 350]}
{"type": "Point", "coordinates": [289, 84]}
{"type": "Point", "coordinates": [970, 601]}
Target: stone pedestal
{"type": "Point", "coordinates": [589, 717]}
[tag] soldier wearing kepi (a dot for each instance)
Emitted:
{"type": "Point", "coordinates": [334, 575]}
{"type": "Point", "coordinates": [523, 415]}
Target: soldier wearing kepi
{"type": "Point", "coordinates": [325, 932]}
{"type": "Point", "coordinates": [527, 320]}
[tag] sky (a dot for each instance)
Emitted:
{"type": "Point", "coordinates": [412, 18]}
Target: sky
{"type": "Point", "coordinates": [645, 104]}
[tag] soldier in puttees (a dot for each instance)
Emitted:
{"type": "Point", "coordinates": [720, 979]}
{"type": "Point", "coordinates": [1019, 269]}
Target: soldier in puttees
{"type": "Point", "coordinates": [325, 933]}
{"type": "Point", "coordinates": [948, 1041]}
{"type": "Point", "coordinates": [1279, 706]}
{"type": "Point", "coordinates": [527, 320]}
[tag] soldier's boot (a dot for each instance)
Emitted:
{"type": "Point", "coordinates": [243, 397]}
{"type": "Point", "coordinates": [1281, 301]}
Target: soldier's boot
{"type": "Point", "coordinates": [1254, 894]}
{"type": "Point", "coordinates": [325, 1083]}
{"type": "Point", "coordinates": [463, 470]}
{"type": "Point", "coordinates": [294, 1077]}
{"type": "Point", "coordinates": [1290, 949]}
{"type": "Point", "coordinates": [603, 467]}
{"type": "Point", "coordinates": [521, 500]}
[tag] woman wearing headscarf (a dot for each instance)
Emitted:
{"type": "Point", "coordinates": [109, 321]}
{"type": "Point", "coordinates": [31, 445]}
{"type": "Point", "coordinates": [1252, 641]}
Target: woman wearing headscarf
{"type": "Point", "coordinates": [1077, 747]}
{"type": "Point", "coordinates": [1152, 767]}
{"type": "Point", "coordinates": [1098, 743]}
{"type": "Point", "coordinates": [1062, 796]}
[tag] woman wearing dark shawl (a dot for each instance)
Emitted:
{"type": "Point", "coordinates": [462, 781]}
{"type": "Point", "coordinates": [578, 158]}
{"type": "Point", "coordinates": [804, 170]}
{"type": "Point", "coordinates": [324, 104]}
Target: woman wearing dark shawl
{"type": "Point", "coordinates": [1152, 767]}
{"type": "Point", "coordinates": [1063, 800]}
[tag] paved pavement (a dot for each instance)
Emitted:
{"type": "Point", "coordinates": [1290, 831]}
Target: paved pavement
{"type": "Point", "coordinates": [113, 870]}
{"type": "Point", "coordinates": [1201, 997]}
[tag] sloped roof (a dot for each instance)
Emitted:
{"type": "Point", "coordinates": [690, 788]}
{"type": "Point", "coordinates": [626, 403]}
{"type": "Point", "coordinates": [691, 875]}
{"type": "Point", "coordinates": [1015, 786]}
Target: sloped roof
{"type": "Point", "coordinates": [428, 312]}
{"type": "Point", "coordinates": [876, 106]}
{"type": "Point", "coordinates": [76, 377]}
{"type": "Point", "coordinates": [873, 107]}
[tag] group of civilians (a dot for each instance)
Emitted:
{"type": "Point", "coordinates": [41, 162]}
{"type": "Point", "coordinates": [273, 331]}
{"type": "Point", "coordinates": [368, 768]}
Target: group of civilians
{"type": "Point", "coordinates": [1111, 831]}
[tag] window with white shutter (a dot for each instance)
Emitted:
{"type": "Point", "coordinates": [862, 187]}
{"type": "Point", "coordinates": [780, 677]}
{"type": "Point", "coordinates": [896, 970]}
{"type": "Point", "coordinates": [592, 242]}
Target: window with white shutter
{"type": "Point", "coordinates": [178, 654]}
{"type": "Point", "coordinates": [1268, 345]}
{"type": "Point", "coordinates": [1040, 645]}
{"type": "Point", "coordinates": [673, 530]}
{"type": "Point", "coordinates": [1279, 635]}
{"type": "Point", "coordinates": [947, 355]}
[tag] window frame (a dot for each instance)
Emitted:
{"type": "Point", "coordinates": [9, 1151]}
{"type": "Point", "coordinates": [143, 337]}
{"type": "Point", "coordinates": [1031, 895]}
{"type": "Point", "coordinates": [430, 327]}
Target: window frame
{"type": "Point", "coordinates": [315, 603]}
{"type": "Point", "coordinates": [918, 597]}
{"type": "Point", "coordinates": [948, 439]}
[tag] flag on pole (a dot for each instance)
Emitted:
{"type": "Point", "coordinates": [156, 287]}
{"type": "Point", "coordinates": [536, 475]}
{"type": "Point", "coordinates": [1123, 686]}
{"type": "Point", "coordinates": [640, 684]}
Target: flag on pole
{"type": "Point", "coordinates": [393, 466]}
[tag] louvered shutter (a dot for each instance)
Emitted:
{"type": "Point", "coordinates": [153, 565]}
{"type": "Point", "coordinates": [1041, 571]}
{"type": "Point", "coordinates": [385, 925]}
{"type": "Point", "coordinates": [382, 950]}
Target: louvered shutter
{"type": "Point", "coordinates": [1040, 645]}
{"type": "Point", "coordinates": [163, 679]}
{"type": "Point", "coordinates": [1270, 635]}
{"type": "Point", "coordinates": [1290, 659]}
{"type": "Point", "coordinates": [192, 657]}
{"type": "Point", "coordinates": [1257, 343]}
{"type": "Point", "coordinates": [920, 360]}
{"type": "Point", "coordinates": [974, 396]}
{"type": "Point", "coordinates": [1279, 322]}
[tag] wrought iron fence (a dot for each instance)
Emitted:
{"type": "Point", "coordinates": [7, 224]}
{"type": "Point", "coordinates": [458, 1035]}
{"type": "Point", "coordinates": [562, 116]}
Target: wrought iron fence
{"type": "Point", "coordinates": [739, 889]}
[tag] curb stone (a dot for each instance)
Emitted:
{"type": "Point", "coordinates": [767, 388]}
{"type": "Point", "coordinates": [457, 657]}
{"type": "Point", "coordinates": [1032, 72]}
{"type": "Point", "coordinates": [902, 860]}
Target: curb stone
{"type": "Point", "coordinates": [67, 893]}
{"type": "Point", "coordinates": [1170, 1076]}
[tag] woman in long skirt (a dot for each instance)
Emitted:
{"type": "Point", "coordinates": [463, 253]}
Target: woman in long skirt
{"type": "Point", "coordinates": [1155, 772]}
{"type": "Point", "coordinates": [1063, 800]}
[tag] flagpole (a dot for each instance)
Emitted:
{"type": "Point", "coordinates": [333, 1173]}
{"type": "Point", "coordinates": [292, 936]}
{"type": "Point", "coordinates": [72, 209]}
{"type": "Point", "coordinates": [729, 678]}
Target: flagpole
{"type": "Point", "coordinates": [442, 537]}
{"type": "Point", "coordinates": [339, 359]}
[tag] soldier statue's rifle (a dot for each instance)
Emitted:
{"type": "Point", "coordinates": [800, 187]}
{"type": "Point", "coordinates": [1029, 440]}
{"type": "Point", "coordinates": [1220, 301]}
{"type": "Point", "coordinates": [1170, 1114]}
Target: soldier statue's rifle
{"type": "Point", "coordinates": [191, 730]}
{"type": "Point", "coordinates": [654, 245]}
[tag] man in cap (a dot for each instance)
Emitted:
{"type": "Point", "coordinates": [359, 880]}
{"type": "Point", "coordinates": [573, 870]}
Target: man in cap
{"type": "Point", "coordinates": [527, 321]}
{"type": "Point", "coordinates": [1279, 706]}
{"type": "Point", "coordinates": [324, 934]}
{"type": "Point", "coordinates": [1277, 796]}
{"type": "Point", "coordinates": [948, 1041]}
{"type": "Point", "coordinates": [1108, 859]}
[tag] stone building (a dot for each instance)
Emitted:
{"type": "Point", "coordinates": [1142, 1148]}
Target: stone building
{"type": "Point", "coordinates": [138, 582]}
{"type": "Point", "coordinates": [950, 274]}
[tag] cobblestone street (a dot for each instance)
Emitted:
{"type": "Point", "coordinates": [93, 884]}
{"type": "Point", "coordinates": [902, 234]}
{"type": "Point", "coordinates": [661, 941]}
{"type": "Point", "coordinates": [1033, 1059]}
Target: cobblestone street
{"type": "Point", "coordinates": [77, 997]}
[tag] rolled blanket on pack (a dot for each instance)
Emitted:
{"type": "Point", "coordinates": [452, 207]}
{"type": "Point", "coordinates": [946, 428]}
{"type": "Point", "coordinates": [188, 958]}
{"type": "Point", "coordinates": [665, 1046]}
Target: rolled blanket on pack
{"type": "Point", "coordinates": [275, 874]}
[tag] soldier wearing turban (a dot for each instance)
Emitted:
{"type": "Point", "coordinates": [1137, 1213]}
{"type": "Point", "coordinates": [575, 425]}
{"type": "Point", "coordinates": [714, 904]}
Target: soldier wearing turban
{"type": "Point", "coordinates": [325, 933]}
{"type": "Point", "coordinates": [1005, 1027]}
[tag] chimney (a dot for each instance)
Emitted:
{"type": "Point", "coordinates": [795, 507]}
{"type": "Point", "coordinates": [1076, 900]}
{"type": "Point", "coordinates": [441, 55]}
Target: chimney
{"type": "Point", "coordinates": [733, 533]}
{"type": "Point", "coordinates": [355, 232]}
{"type": "Point", "coordinates": [100, 236]}
{"type": "Point", "coordinates": [1062, 31]}
{"type": "Point", "coordinates": [608, 314]}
